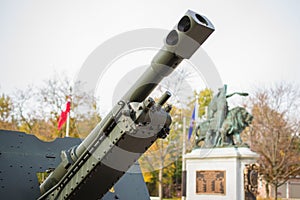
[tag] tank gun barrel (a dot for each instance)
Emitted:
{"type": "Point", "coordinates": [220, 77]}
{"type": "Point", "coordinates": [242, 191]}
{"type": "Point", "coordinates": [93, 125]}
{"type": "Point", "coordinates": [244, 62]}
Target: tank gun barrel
{"type": "Point", "coordinates": [134, 123]}
{"type": "Point", "coordinates": [181, 43]}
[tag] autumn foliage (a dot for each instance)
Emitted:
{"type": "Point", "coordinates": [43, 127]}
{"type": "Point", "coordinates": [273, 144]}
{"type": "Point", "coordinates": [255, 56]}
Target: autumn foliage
{"type": "Point", "coordinates": [36, 109]}
{"type": "Point", "coordinates": [274, 134]}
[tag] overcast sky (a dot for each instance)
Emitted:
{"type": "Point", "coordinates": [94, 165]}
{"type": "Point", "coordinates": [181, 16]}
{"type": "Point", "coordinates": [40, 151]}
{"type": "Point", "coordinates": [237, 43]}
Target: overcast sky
{"type": "Point", "coordinates": [256, 42]}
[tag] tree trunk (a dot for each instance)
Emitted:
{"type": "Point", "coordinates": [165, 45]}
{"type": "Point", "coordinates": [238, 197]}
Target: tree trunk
{"type": "Point", "coordinates": [275, 191]}
{"type": "Point", "coordinates": [160, 184]}
{"type": "Point", "coordinates": [267, 190]}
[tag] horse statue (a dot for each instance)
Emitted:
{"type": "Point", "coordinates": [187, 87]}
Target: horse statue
{"type": "Point", "coordinates": [222, 127]}
{"type": "Point", "coordinates": [235, 122]}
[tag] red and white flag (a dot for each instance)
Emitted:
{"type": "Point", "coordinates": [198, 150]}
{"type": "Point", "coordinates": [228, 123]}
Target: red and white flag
{"type": "Point", "coordinates": [64, 115]}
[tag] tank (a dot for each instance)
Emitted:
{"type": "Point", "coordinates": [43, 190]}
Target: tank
{"type": "Point", "coordinates": [89, 169]}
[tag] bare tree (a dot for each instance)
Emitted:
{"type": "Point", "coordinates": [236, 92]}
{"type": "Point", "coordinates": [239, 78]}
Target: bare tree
{"type": "Point", "coordinates": [53, 96]}
{"type": "Point", "coordinates": [274, 133]}
{"type": "Point", "coordinates": [37, 109]}
{"type": "Point", "coordinates": [25, 109]}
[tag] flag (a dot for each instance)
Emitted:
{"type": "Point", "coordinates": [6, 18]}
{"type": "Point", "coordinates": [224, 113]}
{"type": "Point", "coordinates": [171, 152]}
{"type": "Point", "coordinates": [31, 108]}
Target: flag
{"type": "Point", "coordinates": [64, 115]}
{"type": "Point", "coordinates": [193, 121]}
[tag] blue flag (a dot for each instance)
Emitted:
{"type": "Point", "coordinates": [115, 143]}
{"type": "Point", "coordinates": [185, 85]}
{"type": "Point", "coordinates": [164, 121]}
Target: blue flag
{"type": "Point", "coordinates": [192, 123]}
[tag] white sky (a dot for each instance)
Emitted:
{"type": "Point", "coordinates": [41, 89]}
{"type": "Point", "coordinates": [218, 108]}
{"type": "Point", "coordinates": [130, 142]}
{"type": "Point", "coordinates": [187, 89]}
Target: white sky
{"type": "Point", "coordinates": [256, 42]}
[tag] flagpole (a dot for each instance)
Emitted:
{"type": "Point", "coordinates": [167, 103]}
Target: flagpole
{"type": "Point", "coordinates": [192, 126]}
{"type": "Point", "coordinates": [68, 124]}
{"type": "Point", "coordinates": [183, 184]}
{"type": "Point", "coordinates": [68, 119]}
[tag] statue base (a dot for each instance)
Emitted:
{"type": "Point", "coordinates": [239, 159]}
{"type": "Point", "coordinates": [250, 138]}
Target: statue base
{"type": "Point", "coordinates": [217, 173]}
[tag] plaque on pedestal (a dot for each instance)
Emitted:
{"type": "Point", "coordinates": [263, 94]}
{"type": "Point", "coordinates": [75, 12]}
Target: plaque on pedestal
{"type": "Point", "coordinates": [210, 182]}
{"type": "Point", "coordinates": [217, 173]}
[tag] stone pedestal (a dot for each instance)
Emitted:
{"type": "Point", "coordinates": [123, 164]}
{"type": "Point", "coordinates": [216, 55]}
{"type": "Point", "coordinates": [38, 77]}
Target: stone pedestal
{"type": "Point", "coordinates": [217, 173]}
